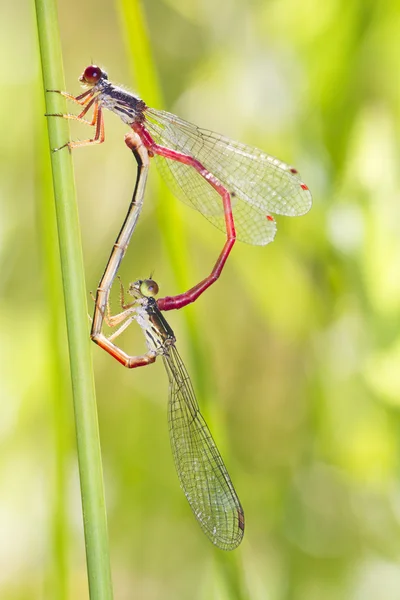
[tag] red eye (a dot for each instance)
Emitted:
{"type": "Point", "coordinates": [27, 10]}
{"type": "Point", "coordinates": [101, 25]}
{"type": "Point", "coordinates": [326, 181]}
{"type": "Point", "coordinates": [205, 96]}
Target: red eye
{"type": "Point", "coordinates": [92, 74]}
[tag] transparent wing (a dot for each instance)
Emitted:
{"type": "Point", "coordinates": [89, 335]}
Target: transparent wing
{"type": "Point", "coordinates": [259, 184]}
{"type": "Point", "coordinates": [201, 470]}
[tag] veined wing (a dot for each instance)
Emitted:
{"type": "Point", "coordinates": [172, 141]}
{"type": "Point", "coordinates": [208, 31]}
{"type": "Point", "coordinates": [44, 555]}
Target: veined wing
{"type": "Point", "coordinates": [201, 470]}
{"type": "Point", "coordinates": [258, 183]}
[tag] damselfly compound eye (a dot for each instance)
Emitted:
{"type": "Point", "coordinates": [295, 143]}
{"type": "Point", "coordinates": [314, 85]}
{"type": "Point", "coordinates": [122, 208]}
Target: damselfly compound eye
{"type": "Point", "coordinates": [92, 74]}
{"type": "Point", "coordinates": [149, 288]}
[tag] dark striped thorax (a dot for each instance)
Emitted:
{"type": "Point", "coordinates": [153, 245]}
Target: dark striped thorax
{"type": "Point", "coordinates": [159, 334]}
{"type": "Point", "coordinates": [127, 106]}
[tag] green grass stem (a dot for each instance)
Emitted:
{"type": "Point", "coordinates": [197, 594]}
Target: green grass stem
{"type": "Point", "coordinates": [87, 433]}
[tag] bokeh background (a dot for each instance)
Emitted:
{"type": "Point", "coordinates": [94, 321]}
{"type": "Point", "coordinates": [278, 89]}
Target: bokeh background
{"type": "Point", "coordinates": [294, 354]}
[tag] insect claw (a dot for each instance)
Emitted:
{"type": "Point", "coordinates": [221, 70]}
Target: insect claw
{"type": "Point", "coordinates": [61, 147]}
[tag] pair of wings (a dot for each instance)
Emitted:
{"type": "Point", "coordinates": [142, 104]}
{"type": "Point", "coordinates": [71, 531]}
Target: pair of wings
{"type": "Point", "coordinates": [201, 470]}
{"type": "Point", "coordinates": [259, 184]}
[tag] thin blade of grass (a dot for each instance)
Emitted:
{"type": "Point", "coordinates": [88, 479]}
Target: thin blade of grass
{"type": "Point", "coordinates": [87, 433]}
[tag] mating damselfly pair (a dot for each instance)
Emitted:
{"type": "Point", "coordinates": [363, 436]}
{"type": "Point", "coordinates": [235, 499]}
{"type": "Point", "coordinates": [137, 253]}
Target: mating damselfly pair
{"type": "Point", "coordinates": [237, 188]}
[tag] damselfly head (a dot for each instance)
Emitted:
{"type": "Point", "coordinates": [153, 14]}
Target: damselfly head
{"type": "Point", "coordinates": [149, 288]}
{"type": "Point", "coordinates": [92, 75]}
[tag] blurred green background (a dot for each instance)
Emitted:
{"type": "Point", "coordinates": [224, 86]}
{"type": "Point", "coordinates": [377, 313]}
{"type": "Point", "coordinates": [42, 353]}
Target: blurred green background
{"type": "Point", "coordinates": [294, 353]}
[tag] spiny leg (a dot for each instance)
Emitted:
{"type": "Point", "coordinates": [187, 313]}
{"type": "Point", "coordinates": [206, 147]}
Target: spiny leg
{"type": "Point", "coordinates": [131, 362]}
{"type": "Point", "coordinates": [97, 122]}
{"type": "Point", "coordinates": [82, 99]}
{"type": "Point", "coordinates": [114, 320]}
{"type": "Point", "coordinates": [87, 99]}
{"type": "Point", "coordinates": [79, 117]}
{"type": "Point", "coordinates": [99, 133]}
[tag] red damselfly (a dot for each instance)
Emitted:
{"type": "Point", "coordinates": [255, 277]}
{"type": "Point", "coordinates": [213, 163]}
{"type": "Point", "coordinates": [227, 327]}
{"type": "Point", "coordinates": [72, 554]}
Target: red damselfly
{"type": "Point", "coordinates": [236, 187]}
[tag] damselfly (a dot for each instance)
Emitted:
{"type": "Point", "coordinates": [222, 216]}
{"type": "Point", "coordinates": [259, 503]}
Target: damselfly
{"type": "Point", "coordinates": [234, 186]}
{"type": "Point", "coordinates": [201, 470]}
